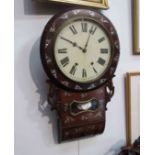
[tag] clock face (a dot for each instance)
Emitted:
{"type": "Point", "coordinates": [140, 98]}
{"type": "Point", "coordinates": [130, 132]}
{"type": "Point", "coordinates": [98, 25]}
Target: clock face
{"type": "Point", "coordinates": [82, 50]}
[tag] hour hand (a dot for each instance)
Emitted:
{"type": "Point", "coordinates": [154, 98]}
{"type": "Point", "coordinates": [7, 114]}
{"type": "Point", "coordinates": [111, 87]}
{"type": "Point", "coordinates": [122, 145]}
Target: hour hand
{"type": "Point", "coordinates": [69, 41]}
{"type": "Point", "coordinates": [73, 43]}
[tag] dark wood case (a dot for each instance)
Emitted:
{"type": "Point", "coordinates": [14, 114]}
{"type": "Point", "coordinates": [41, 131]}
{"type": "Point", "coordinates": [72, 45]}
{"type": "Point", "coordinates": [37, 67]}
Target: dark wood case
{"type": "Point", "coordinates": [70, 99]}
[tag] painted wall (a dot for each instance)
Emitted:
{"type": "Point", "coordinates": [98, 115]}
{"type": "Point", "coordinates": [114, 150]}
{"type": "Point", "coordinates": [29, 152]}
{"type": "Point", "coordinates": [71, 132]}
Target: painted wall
{"type": "Point", "coordinates": [35, 131]}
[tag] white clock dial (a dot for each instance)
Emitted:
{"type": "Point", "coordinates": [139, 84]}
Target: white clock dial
{"type": "Point", "coordinates": [82, 50]}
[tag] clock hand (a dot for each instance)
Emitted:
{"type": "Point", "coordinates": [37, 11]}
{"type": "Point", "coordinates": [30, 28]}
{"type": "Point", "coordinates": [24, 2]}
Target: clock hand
{"type": "Point", "coordinates": [73, 43]}
{"type": "Point", "coordinates": [85, 47]}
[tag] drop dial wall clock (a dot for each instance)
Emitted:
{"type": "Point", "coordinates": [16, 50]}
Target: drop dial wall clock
{"type": "Point", "coordinates": [80, 52]}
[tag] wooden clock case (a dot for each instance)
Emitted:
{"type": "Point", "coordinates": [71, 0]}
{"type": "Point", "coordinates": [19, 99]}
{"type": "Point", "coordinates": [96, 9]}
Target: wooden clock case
{"type": "Point", "coordinates": [65, 95]}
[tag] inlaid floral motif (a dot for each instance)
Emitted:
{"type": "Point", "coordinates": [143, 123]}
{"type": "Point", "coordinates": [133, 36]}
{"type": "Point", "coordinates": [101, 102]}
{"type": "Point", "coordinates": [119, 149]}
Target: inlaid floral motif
{"type": "Point", "coordinates": [83, 95]}
{"type": "Point", "coordinates": [75, 12]}
{"type": "Point", "coordinates": [67, 93]}
{"type": "Point", "coordinates": [68, 120]}
{"type": "Point", "coordinates": [83, 118]}
{"type": "Point", "coordinates": [66, 83]}
{"type": "Point", "coordinates": [116, 44]}
{"type": "Point", "coordinates": [54, 73]}
{"type": "Point", "coordinates": [64, 16]}
{"type": "Point", "coordinates": [102, 81]}
{"type": "Point", "coordinates": [112, 31]}
{"type": "Point", "coordinates": [91, 13]}
{"type": "Point", "coordinates": [98, 114]}
{"type": "Point", "coordinates": [47, 43]}
{"type": "Point", "coordinates": [78, 87]}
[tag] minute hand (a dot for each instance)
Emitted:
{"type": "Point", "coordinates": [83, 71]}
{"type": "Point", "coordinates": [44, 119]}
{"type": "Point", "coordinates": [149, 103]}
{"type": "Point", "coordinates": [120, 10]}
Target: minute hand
{"type": "Point", "coordinates": [85, 47]}
{"type": "Point", "coordinates": [86, 43]}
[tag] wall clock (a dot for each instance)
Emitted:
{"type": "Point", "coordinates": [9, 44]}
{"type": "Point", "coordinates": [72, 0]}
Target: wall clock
{"type": "Point", "coordinates": [80, 52]}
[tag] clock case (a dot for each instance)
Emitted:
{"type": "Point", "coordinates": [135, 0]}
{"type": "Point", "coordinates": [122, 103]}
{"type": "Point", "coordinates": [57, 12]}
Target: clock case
{"type": "Point", "coordinates": [66, 96]}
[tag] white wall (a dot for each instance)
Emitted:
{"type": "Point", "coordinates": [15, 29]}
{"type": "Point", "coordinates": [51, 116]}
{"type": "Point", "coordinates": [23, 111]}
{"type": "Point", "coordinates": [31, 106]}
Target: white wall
{"type": "Point", "coordinates": [35, 131]}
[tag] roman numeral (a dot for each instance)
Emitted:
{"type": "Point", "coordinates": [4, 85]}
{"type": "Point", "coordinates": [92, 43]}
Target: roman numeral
{"type": "Point", "coordinates": [94, 70]}
{"type": "Point", "coordinates": [63, 50]}
{"type": "Point", "coordinates": [84, 27]}
{"type": "Point", "coordinates": [64, 61]}
{"type": "Point", "coordinates": [72, 28]}
{"type": "Point", "coordinates": [93, 29]}
{"type": "Point", "coordinates": [101, 61]}
{"type": "Point", "coordinates": [73, 69]}
{"type": "Point", "coordinates": [92, 63]}
{"type": "Point", "coordinates": [104, 50]}
{"type": "Point", "coordinates": [84, 73]}
{"type": "Point", "coordinates": [101, 39]}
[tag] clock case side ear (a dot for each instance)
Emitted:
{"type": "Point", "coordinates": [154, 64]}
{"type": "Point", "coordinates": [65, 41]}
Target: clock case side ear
{"type": "Point", "coordinates": [47, 56]}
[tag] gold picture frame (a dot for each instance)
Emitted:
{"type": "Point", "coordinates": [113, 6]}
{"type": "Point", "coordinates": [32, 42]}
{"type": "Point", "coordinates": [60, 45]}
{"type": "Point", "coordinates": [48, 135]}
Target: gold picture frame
{"type": "Point", "coordinates": [103, 4]}
{"type": "Point", "coordinates": [132, 106]}
{"type": "Point", "coordinates": [135, 21]}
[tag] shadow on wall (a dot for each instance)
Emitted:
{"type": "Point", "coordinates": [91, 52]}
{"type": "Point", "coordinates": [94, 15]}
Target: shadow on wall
{"type": "Point", "coordinates": [27, 8]}
{"type": "Point", "coordinates": [32, 7]}
{"type": "Point", "coordinates": [37, 72]}
{"type": "Point", "coordinates": [30, 82]}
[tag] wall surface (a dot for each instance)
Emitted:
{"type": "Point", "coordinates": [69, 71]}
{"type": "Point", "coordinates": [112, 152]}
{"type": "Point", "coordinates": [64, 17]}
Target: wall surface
{"type": "Point", "coordinates": [35, 130]}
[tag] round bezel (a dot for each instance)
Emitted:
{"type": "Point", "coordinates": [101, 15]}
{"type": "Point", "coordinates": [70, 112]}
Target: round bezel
{"type": "Point", "coordinates": [48, 42]}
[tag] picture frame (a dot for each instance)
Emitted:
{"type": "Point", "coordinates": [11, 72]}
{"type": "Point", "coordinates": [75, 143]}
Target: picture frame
{"type": "Point", "coordinates": [135, 26]}
{"type": "Point", "coordinates": [132, 106]}
{"type": "Point", "coordinates": [102, 4]}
